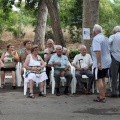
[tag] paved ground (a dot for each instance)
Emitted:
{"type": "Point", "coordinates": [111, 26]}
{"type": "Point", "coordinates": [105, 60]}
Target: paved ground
{"type": "Point", "coordinates": [15, 106]}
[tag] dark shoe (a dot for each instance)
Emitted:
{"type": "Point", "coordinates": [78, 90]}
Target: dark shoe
{"type": "Point", "coordinates": [41, 94]}
{"type": "Point", "coordinates": [66, 92]}
{"type": "Point", "coordinates": [14, 87]}
{"type": "Point", "coordinates": [103, 100]}
{"type": "Point", "coordinates": [31, 95]}
{"type": "Point", "coordinates": [57, 92]}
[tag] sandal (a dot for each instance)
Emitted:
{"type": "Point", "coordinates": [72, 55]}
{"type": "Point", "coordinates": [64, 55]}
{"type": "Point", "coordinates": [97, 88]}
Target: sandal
{"type": "Point", "coordinates": [2, 86]}
{"type": "Point", "coordinates": [31, 95]}
{"type": "Point", "coordinates": [42, 94]}
{"type": "Point", "coordinates": [98, 99]}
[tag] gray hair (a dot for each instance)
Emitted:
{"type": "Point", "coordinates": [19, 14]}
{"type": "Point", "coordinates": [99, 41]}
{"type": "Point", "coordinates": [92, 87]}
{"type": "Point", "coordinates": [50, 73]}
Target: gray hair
{"type": "Point", "coordinates": [58, 46]}
{"type": "Point", "coordinates": [82, 46]}
{"type": "Point", "coordinates": [116, 29]}
{"type": "Point", "coordinates": [97, 28]}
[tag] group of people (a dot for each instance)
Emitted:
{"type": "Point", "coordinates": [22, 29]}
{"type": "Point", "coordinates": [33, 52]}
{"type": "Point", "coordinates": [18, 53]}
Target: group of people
{"type": "Point", "coordinates": [105, 56]}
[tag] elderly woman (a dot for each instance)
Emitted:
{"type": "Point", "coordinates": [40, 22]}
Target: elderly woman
{"type": "Point", "coordinates": [9, 58]}
{"type": "Point", "coordinates": [35, 73]}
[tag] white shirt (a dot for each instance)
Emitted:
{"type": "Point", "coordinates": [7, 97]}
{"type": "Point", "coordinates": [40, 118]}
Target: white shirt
{"type": "Point", "coordinates": [53, 52]}
{"type": "Point", "coordinates": [82, 61]}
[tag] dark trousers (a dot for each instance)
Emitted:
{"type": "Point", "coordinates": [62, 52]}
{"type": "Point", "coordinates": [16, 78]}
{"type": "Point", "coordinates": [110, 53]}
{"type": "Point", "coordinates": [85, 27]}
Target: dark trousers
{"type": "Point", "coordinates": [79, 74]}
{"type": "Point", "coordinates": [67, 75]}
{"type": "Point", "coordinates": [48, 69]}
{"type": "Point", "coordinates": [115, 70]}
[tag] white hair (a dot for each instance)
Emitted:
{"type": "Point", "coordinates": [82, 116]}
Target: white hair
{"type": "Point", "coordinates": [97, 28]}
{"type": "Point", "coordinates": [82, 46]}
{"type": "Point", "coordinates": [58, 46]}
{"type": "Point", "coordinates": [116, 29]}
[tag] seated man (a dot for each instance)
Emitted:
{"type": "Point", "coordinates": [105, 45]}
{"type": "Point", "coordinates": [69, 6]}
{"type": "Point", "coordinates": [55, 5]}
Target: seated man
{"type": "Point", "coordinates": [61, 69]}
{"type": "Point", "coordinates": [82, 63]}
{"type": "Point", "coordinates": [48, 53]}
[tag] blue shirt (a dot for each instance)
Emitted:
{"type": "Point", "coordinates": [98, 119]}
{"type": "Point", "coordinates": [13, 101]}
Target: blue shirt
{"type": "Point", "coordinates": [63, 60]}
{"type": "Point", "coordinates": [100, 43]}
{"type": "Point", "coordinates": [114, 41]}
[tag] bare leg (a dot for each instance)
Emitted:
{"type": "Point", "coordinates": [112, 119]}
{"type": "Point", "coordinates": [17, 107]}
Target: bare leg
{"type": "Point", "coordinates": [31, 86]}
{"type": "Point", "coordinates": [41, 86]}
{"type": "Point", "coordinates": [2, 79]}
{"type": "Point", "coordinates": [31, 89]}
{"type": "Point", "coordinates": [101, 88]}
{"type": "Point", "coordinates": [14, 78]}
{"type": "Point", "coordinates": [104, 85]}
{"type": "Point", "coordinates": [22, 72]}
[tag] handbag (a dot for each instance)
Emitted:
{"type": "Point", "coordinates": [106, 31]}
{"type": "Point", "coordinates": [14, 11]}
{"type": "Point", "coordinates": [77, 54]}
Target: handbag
{"type": "Point", "coordinates": [9, 64]}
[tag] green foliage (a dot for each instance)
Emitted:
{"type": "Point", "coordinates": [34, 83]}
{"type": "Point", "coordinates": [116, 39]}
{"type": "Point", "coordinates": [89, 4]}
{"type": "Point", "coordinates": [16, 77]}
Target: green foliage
{"type": "Point", "coordinates": [75, 34]}
{"type": "Point", "coordinates": [41, 53]}
{"type": "Point", "coordinates": [109, 15]}
{"type": "Point", "coordinates": [73, 53]}
{"type": "Point", "coordinates": [49, 34]}
{"type": "Point", "coordinates": [71, 12]}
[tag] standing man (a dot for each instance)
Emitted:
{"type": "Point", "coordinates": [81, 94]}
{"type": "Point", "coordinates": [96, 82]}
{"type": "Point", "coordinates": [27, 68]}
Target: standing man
{"type": "Point", "coordinates": [114, 41]}
{"type": "Point", "coordinates": [83, 64]}
{"type": "Point", "coordinates": [101, 60]}
{"type": "Point", "coordinates": [48, 53]}
{"type": "Point", "coordinates": [61, 69]}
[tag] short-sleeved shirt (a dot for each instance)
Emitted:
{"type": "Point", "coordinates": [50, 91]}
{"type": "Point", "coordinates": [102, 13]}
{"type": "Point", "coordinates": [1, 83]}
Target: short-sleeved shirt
{"type": "Point", "coordinates": [23, 55]}
{"type": "Point", "coordinates": [114, 41]}
{"type": "Point", "coordinates": [63, 60]}
{"type": "Point", "coordinates": [46, 51]}
{"type": "Point", "coordinates": [82, 61]}
{"type": "Point", "coordinates": [100, 43]}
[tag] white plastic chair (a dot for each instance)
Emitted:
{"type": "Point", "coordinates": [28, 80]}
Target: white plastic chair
{"type": "Point", "coordinates": [26, 84]}
{"type": "Point", "coordinates": [63, 80]}
{"type": "Point", "coordinates": [18, 75]}
{"type": "Point", "coordinates": [83, 77]}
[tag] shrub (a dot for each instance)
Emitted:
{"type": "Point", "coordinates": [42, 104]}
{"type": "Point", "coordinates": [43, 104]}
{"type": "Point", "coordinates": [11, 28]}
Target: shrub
{"type": "Point", "coordinates": [41, 53]}
{"type": "Point", "coordinates": [73, 53]}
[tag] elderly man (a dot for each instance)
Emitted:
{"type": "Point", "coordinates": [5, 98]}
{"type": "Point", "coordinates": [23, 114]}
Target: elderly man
{"type": "Point", "coordinates": [61, 69]}
{"type": "Point", "coordinates": [101, 60]}
{"type": "Point", "coordinates": [114, 41]}
{"type": "Point", "coordinates": [48, 52]}
{"type": "Point", "coordinates": [82, 63]}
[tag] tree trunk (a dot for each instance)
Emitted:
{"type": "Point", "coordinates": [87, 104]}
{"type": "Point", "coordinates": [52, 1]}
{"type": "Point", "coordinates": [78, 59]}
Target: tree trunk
{"type": "Point", "coordinates": [41, 26]}
{"type": "Point", "coordinates": [90, 17]}
{"type": "Point", "coordinates": [94, 12]}
{"type": "Point", "coordinates": [55, 21]}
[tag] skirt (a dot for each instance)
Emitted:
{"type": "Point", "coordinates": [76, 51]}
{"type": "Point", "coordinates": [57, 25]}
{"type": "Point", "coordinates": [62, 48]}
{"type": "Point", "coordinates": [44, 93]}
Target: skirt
{"type": "Point", "coordinates": [36, 77]}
